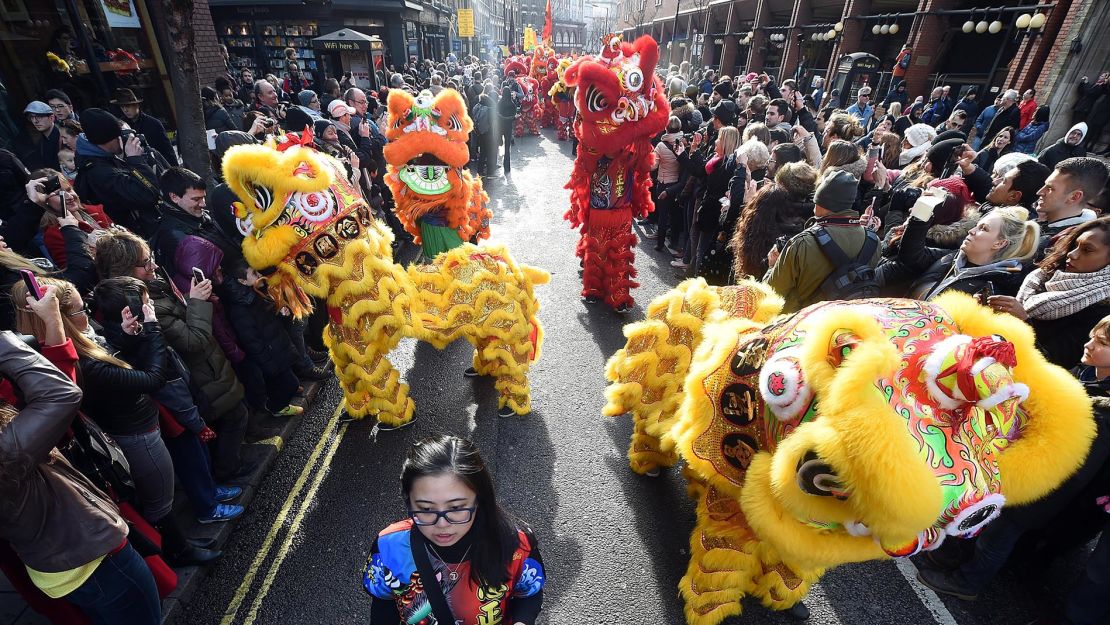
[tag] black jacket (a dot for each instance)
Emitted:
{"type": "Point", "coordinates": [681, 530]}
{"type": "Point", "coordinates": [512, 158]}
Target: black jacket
{"type": "Point", "coordinates": [37, 152]}
{"type": "Point", "coordinates": [176, 224]}
{"type": "Point", "coordinates": [217, 118]}
{"type": "Point", "coordinates": [1009, 116]}
{"type": "Point", "coordinates": [1059, 151]}
{"type": "Point", "coordinates": [118, 399]}
{"type": "Point", "coordinates": [155, 134]}
{"type": "Point", "coordinates": [1061, 340]}
{"type": "Point", "coordinates": [128, 188]}
{"type": "Point", "coordinates": [258, 329]}
{"type": "Point", "coordinates": [717, 184]}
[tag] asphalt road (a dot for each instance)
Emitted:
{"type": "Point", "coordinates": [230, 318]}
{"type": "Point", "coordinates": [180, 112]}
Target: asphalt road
{"type": "Point", "coordinates": [615, 544]}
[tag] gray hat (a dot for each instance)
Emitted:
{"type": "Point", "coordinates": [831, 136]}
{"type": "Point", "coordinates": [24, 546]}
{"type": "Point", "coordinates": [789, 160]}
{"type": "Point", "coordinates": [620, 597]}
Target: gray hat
{"type": "Point", "coordinates": [38, 108]}
{"type": "Point", "coordinates": [837, 192]}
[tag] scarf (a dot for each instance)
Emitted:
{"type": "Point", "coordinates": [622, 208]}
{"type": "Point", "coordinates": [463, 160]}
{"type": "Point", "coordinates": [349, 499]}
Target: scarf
{"type": "Point", "coordinates": [910, 155]}
{"type": "Point", "coordinates": [1060, 294]}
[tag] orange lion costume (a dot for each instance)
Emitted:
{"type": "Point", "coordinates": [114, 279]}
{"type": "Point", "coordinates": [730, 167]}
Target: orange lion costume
{"type": "Point", "coordinates": [622, 105]}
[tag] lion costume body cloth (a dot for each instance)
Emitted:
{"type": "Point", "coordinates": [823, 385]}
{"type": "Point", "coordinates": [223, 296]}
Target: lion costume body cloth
{"type": "Point", "coordinates": [307, 229]}
{"type": "Point", "coordinates": [622, 107]}
{"type": "Point", "coordinates": [437, 200]}
{"type": "Point", "coordinates": [845, 432]}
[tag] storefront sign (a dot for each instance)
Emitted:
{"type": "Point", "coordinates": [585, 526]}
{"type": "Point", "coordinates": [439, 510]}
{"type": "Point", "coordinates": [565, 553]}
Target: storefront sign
{"type": "Point", "coordinates": [342, 45]}
{"type": "Point", "coordinates": [120, 13]}
{"type": "Point", "coordinates": [466, 22]}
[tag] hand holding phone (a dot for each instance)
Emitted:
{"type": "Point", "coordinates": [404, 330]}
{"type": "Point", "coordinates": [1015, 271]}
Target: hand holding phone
{"type": "Point", "coordinates": [32, 283]}
{"type": "Point", "coordinates": [198, 275]}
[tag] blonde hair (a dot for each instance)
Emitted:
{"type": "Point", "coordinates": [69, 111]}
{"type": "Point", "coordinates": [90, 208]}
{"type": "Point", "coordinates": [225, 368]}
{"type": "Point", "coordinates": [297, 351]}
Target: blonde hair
{"type": "Point", "coordinates": [757, 130]}
{"type": "Point", "coordinates": [28, 322]}
{"type": "Point", "coordinates": [844, 126]}
{"type": "Point", "coordinates": [1101, 331]}
{"type": "Point", "coordinates": [727, 140]}
{"type": "Point", "coordinates": [895, 109]}
{"type": "Point", "coordinates": [1021, 234]}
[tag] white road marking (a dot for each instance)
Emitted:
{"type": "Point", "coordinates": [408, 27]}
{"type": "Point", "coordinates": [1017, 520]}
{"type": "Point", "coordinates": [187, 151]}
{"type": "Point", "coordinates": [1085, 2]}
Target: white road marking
{"type": "Point", "coordinates": [928, 598]}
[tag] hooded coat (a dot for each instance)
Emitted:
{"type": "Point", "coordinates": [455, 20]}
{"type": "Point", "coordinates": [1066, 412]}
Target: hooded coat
{"type": "Point", "coordinates": [1062, 149]}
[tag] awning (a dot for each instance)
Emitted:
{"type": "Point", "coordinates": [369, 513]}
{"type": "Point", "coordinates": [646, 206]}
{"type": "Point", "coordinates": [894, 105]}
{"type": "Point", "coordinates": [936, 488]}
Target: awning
{"type": "Point", "coordinates": [347, 39]}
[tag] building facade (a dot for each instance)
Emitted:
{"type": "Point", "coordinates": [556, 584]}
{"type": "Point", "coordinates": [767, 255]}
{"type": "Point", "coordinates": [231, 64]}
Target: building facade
{"type": "Point", "coordinates": [955, 42]}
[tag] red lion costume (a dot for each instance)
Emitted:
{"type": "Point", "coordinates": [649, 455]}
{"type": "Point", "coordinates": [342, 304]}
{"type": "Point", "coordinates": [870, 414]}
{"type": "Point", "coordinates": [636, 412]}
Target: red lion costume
{"type": "Point", "coordinates": [543, 67]}
{"type": "Point", "coordinates": [622, 105]}
{"type": "Point", "coordinates": [528, 119]}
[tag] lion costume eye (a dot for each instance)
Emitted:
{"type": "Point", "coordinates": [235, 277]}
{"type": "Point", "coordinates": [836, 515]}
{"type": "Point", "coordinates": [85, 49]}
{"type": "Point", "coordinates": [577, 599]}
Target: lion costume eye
{"type": "Point", "coordinates": [454, 124]}
{"type": "Point", "coordinates": [633, 79]}
{"type": "Point", "coordinates": [595, 100]}
{"type": "Point", "coordinates": [262, 197]}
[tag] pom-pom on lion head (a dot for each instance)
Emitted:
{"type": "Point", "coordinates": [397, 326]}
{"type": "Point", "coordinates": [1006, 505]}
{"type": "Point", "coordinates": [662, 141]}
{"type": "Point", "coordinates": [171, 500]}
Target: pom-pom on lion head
{"type": "Point", "coordinates": [619, 97]}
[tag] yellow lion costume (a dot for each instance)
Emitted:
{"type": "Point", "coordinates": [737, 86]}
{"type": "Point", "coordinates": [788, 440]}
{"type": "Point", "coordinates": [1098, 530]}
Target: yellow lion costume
{"type": "Point", "coordinates": [308, 230]}
{"type": "Point", "coordinates": [845, 432]}
{"type": "Point", "coordinates": [435, 196]}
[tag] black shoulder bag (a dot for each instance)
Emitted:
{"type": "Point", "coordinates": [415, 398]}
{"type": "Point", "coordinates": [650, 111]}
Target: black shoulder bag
{"type": "Point", "coordinates": [432, 589]}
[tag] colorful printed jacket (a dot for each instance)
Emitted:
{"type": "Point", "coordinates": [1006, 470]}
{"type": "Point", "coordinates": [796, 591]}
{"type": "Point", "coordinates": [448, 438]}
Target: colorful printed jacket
{"type": "Point", "coordinates": [391, 575]}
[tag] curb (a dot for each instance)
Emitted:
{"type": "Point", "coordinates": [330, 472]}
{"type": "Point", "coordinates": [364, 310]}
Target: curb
{"type": "Point", "coordinates": [264, 453]}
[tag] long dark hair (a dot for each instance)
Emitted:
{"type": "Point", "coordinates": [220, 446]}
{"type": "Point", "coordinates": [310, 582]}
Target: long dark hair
{"type": "Point", "coordinates": [1058, 257]}
{"type": "Point", "coordinates": [495, 533]}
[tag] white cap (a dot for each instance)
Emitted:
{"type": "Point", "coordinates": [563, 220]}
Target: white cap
{"type": "Point", "coordinates": [339, 108]}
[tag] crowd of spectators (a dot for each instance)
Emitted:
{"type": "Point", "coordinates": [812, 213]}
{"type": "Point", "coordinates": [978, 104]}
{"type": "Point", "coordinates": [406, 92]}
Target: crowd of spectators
{"type": "Point", "coordinates": [827, 199]}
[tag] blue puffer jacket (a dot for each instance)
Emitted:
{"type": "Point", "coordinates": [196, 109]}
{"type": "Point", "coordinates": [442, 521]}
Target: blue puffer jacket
{"type": "Point", "coordinates": [1028, 137]}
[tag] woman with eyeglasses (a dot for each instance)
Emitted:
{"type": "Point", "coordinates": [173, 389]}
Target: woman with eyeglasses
{"type": "Point", "coordinates": [481, 561]}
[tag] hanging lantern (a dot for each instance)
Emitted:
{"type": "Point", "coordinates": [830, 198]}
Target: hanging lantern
{"type": "Point", "coordinates": [875, 29]}
{"type": "Point", "coordinates": [968, 26]}
{"type": "Point", "coordinates": [885, 29]}
{"type": "Point", "coordinates": [995, 27]}
{"type": "Point", "coordinates": [1038, 20]}
{"type": "Point", "coordinates": [1023, 20]}
{"type": "Point", "coordinates": [831, 34]}
{"type": "Point", "coordinates": [981, 27]}
{"type": "Point", "coordinates": [839, 26]}
{"type": "Point", "coordinates": [894, 29]}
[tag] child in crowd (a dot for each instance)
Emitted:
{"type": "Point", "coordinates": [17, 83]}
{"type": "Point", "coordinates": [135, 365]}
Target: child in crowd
{"type": "Point", "coordinates": [66, 158]}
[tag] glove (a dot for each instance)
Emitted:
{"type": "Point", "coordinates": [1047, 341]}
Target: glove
{"type": "Point", "coordinates": [206, 435]}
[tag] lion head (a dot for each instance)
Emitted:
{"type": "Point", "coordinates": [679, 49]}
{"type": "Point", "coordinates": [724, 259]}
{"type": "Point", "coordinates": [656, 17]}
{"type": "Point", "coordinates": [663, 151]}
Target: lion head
{"type": "Point", "coordinates": [619, 97]}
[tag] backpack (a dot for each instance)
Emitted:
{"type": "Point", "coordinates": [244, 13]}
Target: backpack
{"type": "Point", "coordinates": [851, 278]}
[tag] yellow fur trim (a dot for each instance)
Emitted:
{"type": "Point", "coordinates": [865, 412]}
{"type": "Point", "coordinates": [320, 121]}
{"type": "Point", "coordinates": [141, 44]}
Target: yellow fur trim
{"type": "Point", "coordinates": [1061, 422]}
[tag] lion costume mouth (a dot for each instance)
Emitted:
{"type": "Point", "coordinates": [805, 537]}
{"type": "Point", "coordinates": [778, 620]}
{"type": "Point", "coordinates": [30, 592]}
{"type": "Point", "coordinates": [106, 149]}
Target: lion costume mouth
{"type": "Point", "coordinates": [426, 175]}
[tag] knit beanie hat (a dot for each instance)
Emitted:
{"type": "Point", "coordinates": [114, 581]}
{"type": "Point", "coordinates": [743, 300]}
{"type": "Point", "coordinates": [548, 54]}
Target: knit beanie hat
{"type": "Point", "coordinates": [941, 153]}
{"type": "Point", "coordinates": [725, 111]}
{"type": "Point", "coordinates": [320, 126]}
{"type": "Point", "coordinates": [837, 192]}
{"type": "Point", "coordinates": [949, 134]}
{"type": "Point", "coordinates": [296, 120]}
{"type": "Point", "coordinates": [305, 96]}
{"type": "Point", "coordinates": [100, 126]}
{"type": "Point", "coordinates": [919, 134]}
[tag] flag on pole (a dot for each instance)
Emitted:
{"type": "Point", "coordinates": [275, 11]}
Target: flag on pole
{"type": "Point", "coordinates": [547, 23]}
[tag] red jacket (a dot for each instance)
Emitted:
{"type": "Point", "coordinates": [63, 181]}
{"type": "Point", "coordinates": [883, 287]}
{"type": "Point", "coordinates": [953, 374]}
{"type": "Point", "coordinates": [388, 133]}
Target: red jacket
{"type": "Point", "coordinates": [1027, 109]}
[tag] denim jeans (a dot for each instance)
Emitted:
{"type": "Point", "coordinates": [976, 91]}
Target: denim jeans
{"type": "Point", "coordinates": [121, 590]}
{"type": "Point", "coordinates": [152, 471]}
{"type": "Point", "coordinates": [194, 471]}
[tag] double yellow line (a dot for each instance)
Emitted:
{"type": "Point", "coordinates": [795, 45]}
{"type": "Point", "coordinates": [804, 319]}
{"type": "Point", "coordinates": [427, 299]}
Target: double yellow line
{"type": "Point", "coordinates": [327, 445]}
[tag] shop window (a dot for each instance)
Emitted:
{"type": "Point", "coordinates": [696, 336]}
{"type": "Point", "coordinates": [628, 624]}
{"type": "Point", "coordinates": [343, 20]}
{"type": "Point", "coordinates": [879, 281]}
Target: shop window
{"type": "Point", "coordinates": [42, 50]}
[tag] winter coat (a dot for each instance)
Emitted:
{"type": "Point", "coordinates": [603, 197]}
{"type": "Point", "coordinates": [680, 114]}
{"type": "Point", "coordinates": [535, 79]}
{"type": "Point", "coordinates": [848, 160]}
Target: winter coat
{"type": "Point", "coordinates": [896, 96]}
{"type": "Point", "coordinates": [126, 187]}
{"type": "Point", "coordinates": [1061, 150]}
{"type": "Point", "coordinates": [802, 266]}
{"type": "Point", "coordinates": [971, 107]}
{"type": "Point", "coordinates": [717, 182]}
{"type": "Point", "coordinates": [155, 134]}
{"type": "Point", "coordinates": [1027, 109]}
{"type": "Point", "coordinates": [53, 516]}
{"type": "Point", "coordinates": [79, 270]}
{"type": "Point", "coordinates": [1087, 94]}
{"type": "Point", "coordinates": [177, 224]}
{"type": "Point", "coordinates": [218, 119]}
{"type": "Point", "coordinates": [37, 151]}
{"type": "Point", "coordinates": [1009, 116]}
{"type": "Point", "coordinates": [204, 255]}
{"type": "Point", "coordinates": [1027, 138]}
{"type": "Point", "coordinates": [942, 270]}
{"type": "Point", "coordinates": [118, 399]}
{"type": "Point", "coordinates": [258, 329]}
{"type": "Point", "coordinates": [188, 329]}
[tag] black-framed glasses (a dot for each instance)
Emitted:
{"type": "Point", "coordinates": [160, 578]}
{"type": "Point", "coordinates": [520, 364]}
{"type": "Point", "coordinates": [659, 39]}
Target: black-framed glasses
{"type": "Point", "coordinates": [148, 263]}
{"type": "Point", "coordinates": [83, 310]}
{"type": "Point", "coordinates": [457, 516]}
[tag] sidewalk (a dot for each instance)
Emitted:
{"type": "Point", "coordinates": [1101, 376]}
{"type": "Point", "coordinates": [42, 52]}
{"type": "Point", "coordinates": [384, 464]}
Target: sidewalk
{"type": "Point", "coordinates": [260, 453]}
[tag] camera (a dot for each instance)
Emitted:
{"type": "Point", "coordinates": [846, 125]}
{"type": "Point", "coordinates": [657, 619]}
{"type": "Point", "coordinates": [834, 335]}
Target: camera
{"type": "Point", "coordinates": [269, 122]}
{"type": "Point", "coordinates": [125, 134]}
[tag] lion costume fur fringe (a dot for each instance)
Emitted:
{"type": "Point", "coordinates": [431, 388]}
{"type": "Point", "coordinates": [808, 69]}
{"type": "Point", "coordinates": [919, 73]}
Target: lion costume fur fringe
{"type": "Point", "coordinates": [846, 432]}
{"type": "Point", "coordinates": [311, 233]}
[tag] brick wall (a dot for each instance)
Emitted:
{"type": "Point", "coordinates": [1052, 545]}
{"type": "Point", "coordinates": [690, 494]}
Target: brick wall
{"type": "Point", "coordinates": [927, 41]}
{"type": "Point", "coordinates": [1088, 22]}
{"type": "Point", "coordinates": [210, 64]}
